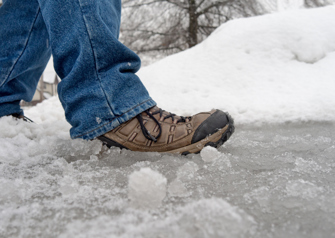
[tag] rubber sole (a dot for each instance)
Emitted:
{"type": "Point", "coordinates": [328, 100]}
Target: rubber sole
{"type": "Point", "coordinates": [214, 140]}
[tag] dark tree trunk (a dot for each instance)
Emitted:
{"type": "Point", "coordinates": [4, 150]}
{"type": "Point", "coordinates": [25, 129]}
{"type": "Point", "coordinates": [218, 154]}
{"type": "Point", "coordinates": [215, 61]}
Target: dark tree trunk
{"type": "Point", "coordinates": [193, 27]}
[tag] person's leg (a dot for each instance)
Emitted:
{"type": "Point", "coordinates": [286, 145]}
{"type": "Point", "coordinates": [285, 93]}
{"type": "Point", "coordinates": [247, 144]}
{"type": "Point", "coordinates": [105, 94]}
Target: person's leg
{"type": "Point", "coordinates": [99, 89]}
{"type": "Point", "coordinates": [24, 53]}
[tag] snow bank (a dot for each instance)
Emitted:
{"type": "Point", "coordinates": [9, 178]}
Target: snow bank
{"type": "Point", "coordinates": [272, 68]}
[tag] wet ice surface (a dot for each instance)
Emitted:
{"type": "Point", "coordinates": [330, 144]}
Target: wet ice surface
{"type": "Point", "coordinates": [266, 181]}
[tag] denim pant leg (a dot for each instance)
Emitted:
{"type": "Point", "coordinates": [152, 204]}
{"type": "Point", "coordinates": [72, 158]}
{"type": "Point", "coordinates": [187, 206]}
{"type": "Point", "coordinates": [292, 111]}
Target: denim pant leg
{"type": "Point", "coordinates": [24, 53]}
{"type": "Point", "coordinates": [99, 89]}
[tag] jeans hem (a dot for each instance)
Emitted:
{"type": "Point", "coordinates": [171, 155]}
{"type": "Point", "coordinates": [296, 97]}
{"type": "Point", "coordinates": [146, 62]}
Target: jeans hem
{"type": "Point", "coordinates": [110, 125]}
{"type": "Point", "coordinates": [10, 108]}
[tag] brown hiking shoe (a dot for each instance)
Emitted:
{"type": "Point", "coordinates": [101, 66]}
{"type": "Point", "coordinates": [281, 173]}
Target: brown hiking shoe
{"type": "Point", "coordinates": [161, 131]}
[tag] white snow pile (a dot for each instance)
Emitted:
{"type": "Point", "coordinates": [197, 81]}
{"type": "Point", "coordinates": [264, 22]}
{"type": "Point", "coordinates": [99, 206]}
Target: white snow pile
{"type": "Point", "coordinates": [273, 68]}
{"type": "Point", "coordinates": [268, 180]}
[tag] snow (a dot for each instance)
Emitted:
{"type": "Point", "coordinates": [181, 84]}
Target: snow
{"type": "Point", "coordinates": [273, 178]}
{"type": "Point", "coordinates": [269, 69]}
{"type": "Point", "coordinates": [49, 73]}
{"type": "Point", "coordinates": [47, 95]}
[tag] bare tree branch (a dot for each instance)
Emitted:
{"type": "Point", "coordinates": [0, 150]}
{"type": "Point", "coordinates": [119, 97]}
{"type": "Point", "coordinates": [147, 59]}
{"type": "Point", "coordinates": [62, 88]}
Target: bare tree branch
{"type": "Point", "coordinates": [170, 26]}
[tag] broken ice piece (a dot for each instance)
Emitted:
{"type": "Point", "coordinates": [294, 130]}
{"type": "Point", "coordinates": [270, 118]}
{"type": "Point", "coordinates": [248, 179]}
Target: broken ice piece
{"type": "Point", "coordinates": [146, 189]}
{"type": "Point", "coordinates": [209, 154]}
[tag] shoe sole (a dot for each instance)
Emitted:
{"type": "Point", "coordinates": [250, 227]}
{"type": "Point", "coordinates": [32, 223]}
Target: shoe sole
{"type": "Point", "coordinates": [214, 140]}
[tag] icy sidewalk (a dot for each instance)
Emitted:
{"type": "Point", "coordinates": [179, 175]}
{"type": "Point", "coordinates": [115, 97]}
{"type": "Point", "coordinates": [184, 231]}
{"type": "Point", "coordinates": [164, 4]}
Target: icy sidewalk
{"type": "Point", "coordinates": [270, 181]}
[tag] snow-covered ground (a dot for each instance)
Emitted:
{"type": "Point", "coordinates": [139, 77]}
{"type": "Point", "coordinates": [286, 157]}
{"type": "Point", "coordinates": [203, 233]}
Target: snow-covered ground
{"type": "Point", "coordinates": [273, 178]}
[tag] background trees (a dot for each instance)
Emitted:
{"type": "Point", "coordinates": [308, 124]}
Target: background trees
{"type": "Point", "coordinates": [174, 25]}
{"type": "Point", "coordinates": [317, 3]}
{"type": "Point", "coordinates": [162, 27]}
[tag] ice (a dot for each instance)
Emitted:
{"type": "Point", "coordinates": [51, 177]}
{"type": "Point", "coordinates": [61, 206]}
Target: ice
{"type": "Point", "coordinates": [216, 218]}
{"type": "Point", "coordinates": [9, 192]}
{"type": "Point", "coordinates": [261, 195]}
{"type": "Point", "coordinates": [304, 189]}
{"type": "Point", "coordinates": [186, 172]}
{"type": "Point", "coordinates": [280, 183]}
{"type": "Point", "coordinates": [178, 189]}
{"type": "Point", "coordinates": [147, 189]}
{"type": "Point", "coordinates": [205, 218]}
{"type": "Point", "coordinates": [67, 186]}
{"type": "Point", "coordinates": [304, 166]}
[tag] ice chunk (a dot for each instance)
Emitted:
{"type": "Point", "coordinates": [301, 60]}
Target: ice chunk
{"type": "Point", "coordinates": [209, 154]}
{"type": "Point", "coordinates": [147, 189]}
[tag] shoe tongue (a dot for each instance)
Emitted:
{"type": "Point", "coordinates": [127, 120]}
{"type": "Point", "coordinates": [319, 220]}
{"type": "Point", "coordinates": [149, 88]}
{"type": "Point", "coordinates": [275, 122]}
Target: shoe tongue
{"type": "Point", "coordinates": [154, 109]}
{"type": "Point", "coordinates": [164, 114]}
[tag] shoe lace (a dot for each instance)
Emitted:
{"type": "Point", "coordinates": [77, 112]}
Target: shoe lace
{"type": "Point", "coordinates": [19, 116]}
{"type": "Point", "coordinates": [146, 132]}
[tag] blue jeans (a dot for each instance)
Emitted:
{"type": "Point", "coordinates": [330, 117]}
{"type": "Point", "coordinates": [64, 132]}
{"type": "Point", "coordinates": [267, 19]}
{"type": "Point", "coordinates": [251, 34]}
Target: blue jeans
{"type": "Point", "coordinates": [99, 89]}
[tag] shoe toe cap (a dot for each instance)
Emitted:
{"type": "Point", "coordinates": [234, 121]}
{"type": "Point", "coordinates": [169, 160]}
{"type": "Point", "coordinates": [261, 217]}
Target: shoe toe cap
{"type": "Point", "coordinates": [212, 124]}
